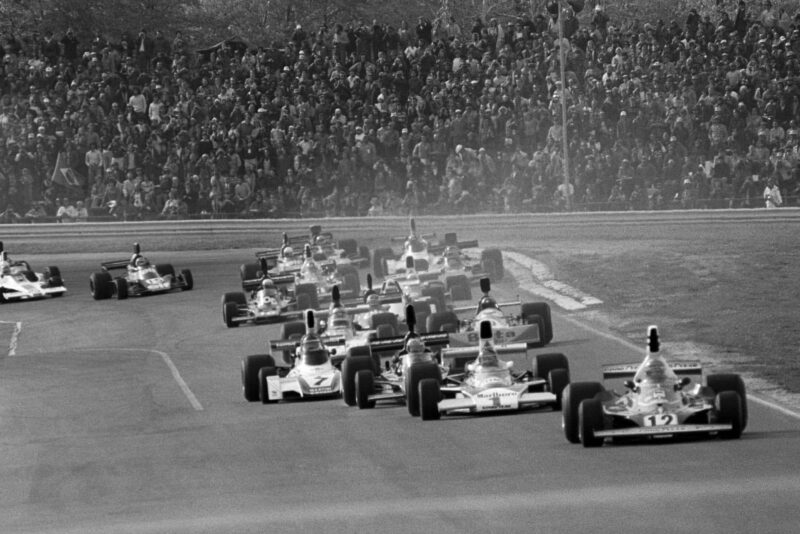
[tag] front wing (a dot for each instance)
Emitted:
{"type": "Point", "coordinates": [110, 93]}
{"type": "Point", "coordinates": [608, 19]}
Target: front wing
{"type": "Point", "coordinates": [663, 430]}
{"type": "Point", "coordinates": [492, 400]}
{"type": "Point", "coordinates": [327, 385]}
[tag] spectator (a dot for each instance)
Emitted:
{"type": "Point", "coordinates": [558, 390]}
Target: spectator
{"type": "Point", "coordinates": [772, 195]}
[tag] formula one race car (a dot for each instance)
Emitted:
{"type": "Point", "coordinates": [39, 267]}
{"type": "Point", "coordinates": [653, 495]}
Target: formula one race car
{"type": "Point", "coordinates": [391, 369]}
{"type": "Point", "coordinates": [533, 325]}
{"type": "Point", "coordinates": [140, 278]}
{"type": "Point", "coordinates": [660, 400]}
{"type": "Point", "coordinates": [338, 330]}
{"type": "Point", "coordinates": [312, 373]}
{"type": "Point", "coordinates": [19, 282]}
{"type": "Point", "coordinates": [267, 304]}
{"type": "Point", "coordinates": [488, 384]}
{"type": "Point", "coordinates": [431, 257]}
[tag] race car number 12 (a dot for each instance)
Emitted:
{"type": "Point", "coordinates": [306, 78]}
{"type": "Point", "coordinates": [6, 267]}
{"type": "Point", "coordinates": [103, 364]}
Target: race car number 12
{"type": "Point", "coordinates": [660, 419]}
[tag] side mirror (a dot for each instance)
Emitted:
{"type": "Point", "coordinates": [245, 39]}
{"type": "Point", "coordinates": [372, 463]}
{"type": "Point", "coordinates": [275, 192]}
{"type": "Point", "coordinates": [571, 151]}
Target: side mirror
{"type": "Point", "coordinates": [685, 381]}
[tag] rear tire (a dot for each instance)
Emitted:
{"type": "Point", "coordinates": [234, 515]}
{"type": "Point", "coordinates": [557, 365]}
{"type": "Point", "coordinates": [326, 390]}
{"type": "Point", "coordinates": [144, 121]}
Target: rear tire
{"type": "Point", "coordinates": [53, 277]}
{"type": "Point", "coordinates": [249, 271]}
{"type": "Point", "coordinates": [365, 386]}
{"type": "Point", "coordinates": [547, 366]}
{"type": "Point", "coordinates": [311, 291]}
{"type": "Point", "coordinates": [378, 257]}
{"type": "Point", "coordinates": [542, 309]}
{"type": "Point", "coordinates": [429, 396]}
{"type": "Point", "coordinates": [492, 263]}
{"type": "Point", "coordinates": [229, 311]}
{"type": "Point", "coordinates": [442, 322]}
{"type": "Point", "coordinates": [557, 380]}
{"type": "Point", "coordinates": [292, 330]}
{"type": "Point", "coordinates": [436, 297]}
{"type": "Point", "coordinates": [571, 398]}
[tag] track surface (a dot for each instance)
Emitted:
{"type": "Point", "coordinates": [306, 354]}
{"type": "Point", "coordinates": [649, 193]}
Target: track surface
{"type": "Point", "coordinates": [128, 417]}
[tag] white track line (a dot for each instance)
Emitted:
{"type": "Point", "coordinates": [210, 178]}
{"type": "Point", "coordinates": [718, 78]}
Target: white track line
{"type": "Point", "coordinates": [176, 375]}
{"type": "Point", "coordinates": [12, 345]}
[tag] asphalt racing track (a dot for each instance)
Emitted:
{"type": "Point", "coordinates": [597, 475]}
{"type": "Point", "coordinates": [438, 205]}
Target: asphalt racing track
{"type": "Point", "coordinates": [128, 417]}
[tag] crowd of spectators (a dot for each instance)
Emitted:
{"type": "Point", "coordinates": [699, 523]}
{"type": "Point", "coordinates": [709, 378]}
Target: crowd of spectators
{"type": "Point", "coordinates": [368, 119]}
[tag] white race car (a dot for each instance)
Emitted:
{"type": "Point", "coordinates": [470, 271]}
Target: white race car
{"type": "Point", "coordinates": [19, 282]}
{"type": "Point", "coordinates": [532, 326]}
{"type": "Point", "coordinates": [660, 400]}
{"type": "Point", "coordinates": [488, 384]}
{"type": "Point", "coordinates": [312, 373]}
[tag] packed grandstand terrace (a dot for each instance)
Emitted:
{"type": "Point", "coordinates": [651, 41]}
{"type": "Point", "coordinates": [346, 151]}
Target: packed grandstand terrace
{"type": "Point", "coordinates": [429, 117]}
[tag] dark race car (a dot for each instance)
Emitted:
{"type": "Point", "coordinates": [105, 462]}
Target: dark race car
{"type": "Point", "coordinates": [140, 277]}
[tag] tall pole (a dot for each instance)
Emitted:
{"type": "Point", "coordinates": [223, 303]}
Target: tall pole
{"type": "Point", "coordinates": [565, 143]}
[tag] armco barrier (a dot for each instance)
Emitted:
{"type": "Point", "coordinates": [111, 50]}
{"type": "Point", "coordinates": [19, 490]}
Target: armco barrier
{"type": "Point", "coordinates": [384, 225]}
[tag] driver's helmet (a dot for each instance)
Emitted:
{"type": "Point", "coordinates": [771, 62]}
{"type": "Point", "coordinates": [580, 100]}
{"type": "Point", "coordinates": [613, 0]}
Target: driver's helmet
{"type": "Point", "coordinates": [321, 241]}
{"type": "Point", "coordinates": [487, 357]}
{"type": "Point", "coordinates": [655, 371]}
{"type": "Point", "coordinates": [486, 302]}
{"type": "Point", "coordinates": [312, 351]}
{"type": "Point", "coordinates": [141, 262]}
{"type": "Point", "coordinates": [374, 301]}
{"type": "Point", "coordinates": [416, 244]}
{"type": "Point", "coordinates": [268, 285]}
{"type": "Point", "coordinates": [339, 319]}
{"type": "Point", "coordinates": [415, 346]}
{"type": "Point", "coordinates": [288, 252]}
{"type": "Point", "coordinates": [451, 252]}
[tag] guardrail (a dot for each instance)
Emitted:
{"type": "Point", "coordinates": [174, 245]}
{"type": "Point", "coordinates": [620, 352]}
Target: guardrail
{"type": "Point", "coordinates": [219, 228]}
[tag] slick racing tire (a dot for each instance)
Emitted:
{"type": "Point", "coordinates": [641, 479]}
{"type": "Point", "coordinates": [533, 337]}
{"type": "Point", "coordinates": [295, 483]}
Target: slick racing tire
{"type": "Point", "coordinates": [363, 252]}
{"type": "Point", "coordinates": [100, 285]}
{"type": "Point", "coordinates": [436, 296]}
{"type": "Point", "coordinates": [350, 280]}
{"type": "Point", "coordinates": [378, 257]}
{"type": "Point", "coordinates": [451, 239]}
{"type": "Point", "coordinates": [557, 380]}
{"type": "Point", "coordinates": [422, 310]}
{"type": "Point", "coordinates": [458, 287]}
{"type": "Point", "coordinates": [728, 405]}
{"type": "Point", "coordinates": [545, 365]}
{"type": "Point", "coordinates": [165, 269]}
{"type": "Point", "coordinates": [121, 288]}
{"type": "Point", "coordinates": [309, 290]}
{"type": "Point", "coordinates": [229, 311]}
{"type": "Point", "coordinates": [349, 247]}
{"type": "Point", "coordinates": [415, 374]}
{"type": "Point", "coordinates": [429, 396]}
{"type": "Point", "coordinates": [492, 263]}
{"type": "Point", "coordinates": [250, 271]}
{"type": "Point", "coordinates": [263, 387]}
{"type": "Point", "coordinates": [442, 322]}
{"type": "Point", "coordinates": [236, 297]}
{"type": "Point", "coordinates": [357, 359]}
{"type": "Point", "coordinates": [383, 318]}
{"type": "Point", "coordinates": [251, 365]}
{"type": "Point", "coordinates": [590, 420]}
{"type": "Point", "coordinates": [188, 280]}
{"type": "Point", "coordinates": [385, 331]}
{"type": "Point", "coordinates": [53, 277]}
{"type": "Point", "coordinates": [730, 382]}
{"type": "Point", "coordinates": [571, 398]}
{"type": "Point", "coordinates": [542, 309]}
{"type": "Point", "coordinates": [365, 386]}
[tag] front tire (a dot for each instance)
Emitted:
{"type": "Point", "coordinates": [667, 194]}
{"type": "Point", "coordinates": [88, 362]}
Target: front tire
{"type": "Point", "coordinates": [730, 382]}
{"type": "Point", "coordinates": [729, 410]}
{"type": "Point", "coordinates": [263, 388]}
{"type": "Point", "coordinates": [429, 396]}
{"type": "Point", "coordinates": [590, 420]}
{"type": "Point", "coordinates": [571, 398]}
{"type": "Point", "coordinates": [188, 280]}
{"type": "Point", "coordinates": [121, 288]}
{"type": "Point", "coordinates": [251, 365]}
{"type": "Point", "coordinates": [365, 386]}
{"type": "Point", "coordinates": [100, 285]}
{"type": "Point", "coordinates": [357, 359]}
{"type": "Point", "coordinates": [415, 374]}
{"type": "Point", "coordinates": [542, 309]}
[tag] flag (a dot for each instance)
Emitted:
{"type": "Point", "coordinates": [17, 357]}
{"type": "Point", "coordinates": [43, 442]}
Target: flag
{"type": "Point", "coordinates": [64, 175]}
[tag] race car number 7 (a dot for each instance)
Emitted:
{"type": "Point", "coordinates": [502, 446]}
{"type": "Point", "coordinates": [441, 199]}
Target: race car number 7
{"type": "Point", "coordinates": [660, 419]}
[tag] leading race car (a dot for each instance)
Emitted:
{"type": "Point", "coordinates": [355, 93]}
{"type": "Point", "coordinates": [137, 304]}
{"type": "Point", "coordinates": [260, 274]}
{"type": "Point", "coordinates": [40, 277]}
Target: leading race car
{"type": "Point", "coordinates": [532, 326]}
{"type": "Point", "coordinates": [390, 369]}
{"type": "Point", "coordinates": [312, 373]}
{"type": "Point", "coordinates": [140, 278]}
{"type": "Point", "coordinates": [488, 384]}
{"type": "Point", "coordinates": [267, 304]}
{"type": "Point", "coordinates": [660, 400]}
{"type": "Point", "coordinates": [19, 282]}
{"type": "Point", "coordinates": [430, 257]}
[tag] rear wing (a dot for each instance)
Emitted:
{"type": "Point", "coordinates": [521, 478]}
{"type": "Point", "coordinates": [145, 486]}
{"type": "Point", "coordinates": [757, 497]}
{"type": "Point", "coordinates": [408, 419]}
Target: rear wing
{"type": "Point", "coordinates": [119, 264]}
{"type": "Point", "coordinates": [393, 344]}
{"type": "Point", "coordinates": [439, 247]}
{"type": "Point", "coordinates": [628, 370]}
{"type": "Point", "coordinates": [471, 307]}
